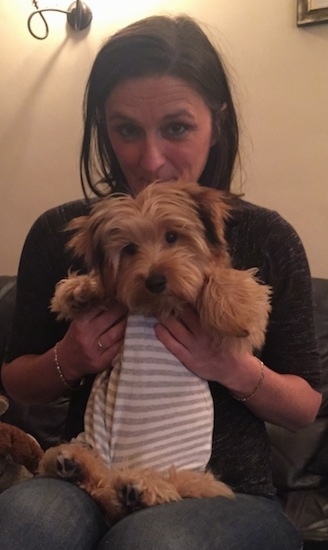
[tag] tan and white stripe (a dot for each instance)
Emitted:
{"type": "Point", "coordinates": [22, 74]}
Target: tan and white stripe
{"type": "Point", "coordinates": [149, 410]}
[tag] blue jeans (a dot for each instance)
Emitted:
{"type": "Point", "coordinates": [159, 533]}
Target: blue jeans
{"type": "Point", "coordinates": [49, 514]}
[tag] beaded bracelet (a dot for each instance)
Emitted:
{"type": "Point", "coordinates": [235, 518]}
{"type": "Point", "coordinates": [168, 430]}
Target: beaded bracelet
{"type": "Point", "coordinates": [67, 385]}
{"type": "Point", "coordinates": [257, 387]}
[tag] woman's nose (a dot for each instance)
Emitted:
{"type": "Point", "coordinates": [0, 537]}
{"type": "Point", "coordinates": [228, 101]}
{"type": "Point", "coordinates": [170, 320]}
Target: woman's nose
{"type": "Point", "coordinates": [152, 156]}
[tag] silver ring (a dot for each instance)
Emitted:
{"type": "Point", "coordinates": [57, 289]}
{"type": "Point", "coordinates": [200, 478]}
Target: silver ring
{"type": "Point", "coordinates": [99, 344]}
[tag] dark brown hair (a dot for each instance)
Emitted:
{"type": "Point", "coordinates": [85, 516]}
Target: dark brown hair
{"type": "Point", "coordinates": [158, 45]}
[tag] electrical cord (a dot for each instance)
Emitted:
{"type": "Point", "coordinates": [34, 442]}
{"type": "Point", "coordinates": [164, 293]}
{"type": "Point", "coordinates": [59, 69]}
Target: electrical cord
{"type": "Point", "coordinates": [78, 16]}
{"type": "Point", "coordinates": [40, 12]}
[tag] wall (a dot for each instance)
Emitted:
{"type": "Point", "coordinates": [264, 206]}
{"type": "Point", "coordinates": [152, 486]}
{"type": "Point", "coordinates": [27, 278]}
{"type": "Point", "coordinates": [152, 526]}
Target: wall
{"type": "Point", "coordinates": [280, 78]}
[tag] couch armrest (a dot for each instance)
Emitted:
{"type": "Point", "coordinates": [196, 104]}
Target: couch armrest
{"type": "Point", "coordinates": [7, 302]}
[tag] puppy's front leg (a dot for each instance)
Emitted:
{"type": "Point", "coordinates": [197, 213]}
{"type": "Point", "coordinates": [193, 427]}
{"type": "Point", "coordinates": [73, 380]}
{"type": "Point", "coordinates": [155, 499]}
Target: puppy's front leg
{"type": "Point", "coordinates": [235, 307]}
{"type": "Point", "coordinates": [77, 294]}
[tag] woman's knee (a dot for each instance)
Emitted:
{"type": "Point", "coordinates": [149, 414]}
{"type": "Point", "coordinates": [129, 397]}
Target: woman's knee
{"type": "Point", "coordinates": [246, 523]}
{"type": "Point", "coordinates": [48, 513]}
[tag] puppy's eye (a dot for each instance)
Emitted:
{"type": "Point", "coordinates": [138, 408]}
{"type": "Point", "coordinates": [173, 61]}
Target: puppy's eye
{"type": "Point", "coordinates": [171, 237]}
{"type": "Point", "coordinates": [130, 249]}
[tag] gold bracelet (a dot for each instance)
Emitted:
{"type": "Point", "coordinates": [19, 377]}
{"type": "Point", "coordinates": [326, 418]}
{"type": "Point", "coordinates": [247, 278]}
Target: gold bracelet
{"type": "Point", "coordinates": [257, 387]}
{"type": "Point", "coordinates": [67, 385]}
{"type": "Point", "coordinates": [58, 369]}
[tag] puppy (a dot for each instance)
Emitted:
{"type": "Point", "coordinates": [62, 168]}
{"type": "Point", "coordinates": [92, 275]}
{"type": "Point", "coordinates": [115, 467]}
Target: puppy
{"type": "Point", "coordinates": [156, 253]}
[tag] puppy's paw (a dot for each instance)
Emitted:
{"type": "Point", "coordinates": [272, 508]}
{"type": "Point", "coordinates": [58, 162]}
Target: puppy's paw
{"type": "Point", "coordinates": [127, 491]}
{"type": "Point", "coordinates": [118, 497]}
{"type": "Point", "coordinates": [130, 496]}
{"type": "Point", "coordinates": [76, 294]}
{"type": "Point", "coordinates": [66, 468]}
{"type": "Point", "coordinates": [59, 462]}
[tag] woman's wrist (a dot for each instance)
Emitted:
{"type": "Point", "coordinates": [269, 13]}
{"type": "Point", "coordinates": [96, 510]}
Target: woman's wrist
{"type": "Point", "coordinates": [67, 382]}
{"type": "Point", "coordinates": [257, 387]}
{"type": "Point", "coordinates": [247, 377]}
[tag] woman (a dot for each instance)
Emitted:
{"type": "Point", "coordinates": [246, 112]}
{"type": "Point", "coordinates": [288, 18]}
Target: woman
{"type": "Point", "coordinates": [158, 106]}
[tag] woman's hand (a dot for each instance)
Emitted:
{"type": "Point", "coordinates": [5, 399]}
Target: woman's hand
{"type": "Point", "coordinates": [187, 340]}
{"type": "Point", "coordinates": [284, 399]}
{"type": "Point", "coordinates": [92, 341]}
{"type": "Point", "coordinates": [78, 353]}
{"type": "Point", "coordinates": [197, 351]}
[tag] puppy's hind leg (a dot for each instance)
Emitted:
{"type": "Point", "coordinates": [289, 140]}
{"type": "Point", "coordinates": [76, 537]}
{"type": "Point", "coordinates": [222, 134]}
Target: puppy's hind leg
{"type": "Point", "coordinates": [190, 484]}
{"type": "Point", "coordinates": [129, 490]}
{"type": "Point", "coordinates": [76, 463]}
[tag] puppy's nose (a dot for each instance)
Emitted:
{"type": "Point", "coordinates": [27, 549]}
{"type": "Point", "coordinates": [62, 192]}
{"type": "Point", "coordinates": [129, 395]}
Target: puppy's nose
{"type": "Point", "coordinates": [156, 283]}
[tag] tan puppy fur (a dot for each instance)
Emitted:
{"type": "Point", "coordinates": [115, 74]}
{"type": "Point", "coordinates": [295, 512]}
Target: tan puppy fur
{"type": "Point", "coordinates": [161, 250]}
{"type": "Point", "coordinates": [119, 492]}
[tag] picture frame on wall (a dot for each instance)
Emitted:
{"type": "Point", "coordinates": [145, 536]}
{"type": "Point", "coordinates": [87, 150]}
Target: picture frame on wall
{"type": "Point", "coordinates": [312, 12]}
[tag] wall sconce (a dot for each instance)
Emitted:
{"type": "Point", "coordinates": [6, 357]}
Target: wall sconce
{"type": "Point", "coordinates": [78, 14]}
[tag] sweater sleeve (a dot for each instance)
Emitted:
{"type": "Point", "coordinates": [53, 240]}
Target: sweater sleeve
{"type": "Point", "coordinates": [291, 345]}
{"type": "Point", "coordinates": [44, 261]}
{"type": "Point", "coordinates": [261, 238]}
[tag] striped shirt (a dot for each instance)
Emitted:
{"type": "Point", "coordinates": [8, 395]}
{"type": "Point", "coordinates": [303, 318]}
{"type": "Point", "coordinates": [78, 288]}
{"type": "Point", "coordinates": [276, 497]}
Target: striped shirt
{"type": "Point", "coordinates": [148, 410]}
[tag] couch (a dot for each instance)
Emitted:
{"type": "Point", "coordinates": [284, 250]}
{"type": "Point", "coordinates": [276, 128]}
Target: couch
{"type": "Point", "coordinates": [300, 460]}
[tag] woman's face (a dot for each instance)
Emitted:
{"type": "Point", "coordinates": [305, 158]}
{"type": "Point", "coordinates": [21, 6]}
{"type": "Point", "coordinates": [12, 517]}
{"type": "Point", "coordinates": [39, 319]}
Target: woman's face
{"type": "Point", "coordinates": [160, 128]}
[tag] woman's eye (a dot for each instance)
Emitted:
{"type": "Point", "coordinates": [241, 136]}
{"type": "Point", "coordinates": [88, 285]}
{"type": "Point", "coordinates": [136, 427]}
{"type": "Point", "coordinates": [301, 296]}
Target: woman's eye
{"type": "Point", "coordinates": [130, 249]}
{"type": "Point", "coordinates": [128, 132]}
{"type": "Point", "coordinates": [171, 237]}
{"type": "Point", "coordinates": [176, 129]}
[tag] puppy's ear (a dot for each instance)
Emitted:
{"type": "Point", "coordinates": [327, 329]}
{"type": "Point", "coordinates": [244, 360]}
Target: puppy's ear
{"type": "Point", "coordinates": [213, 209]}
{"type": "Point", "coordinates": [213, 231]}
{"type": "Point", "coordinates": [85, 241]}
